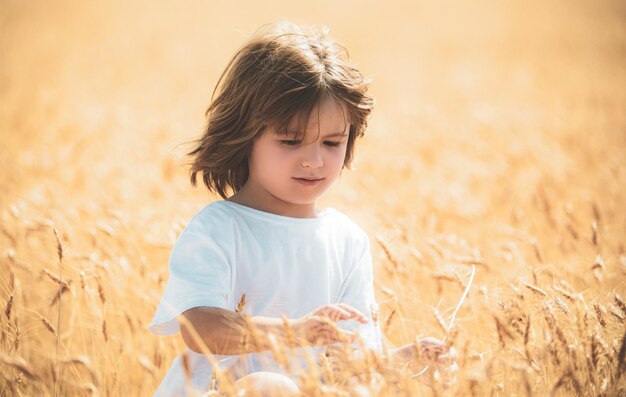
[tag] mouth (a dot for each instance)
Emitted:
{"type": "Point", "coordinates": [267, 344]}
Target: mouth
{"type": "Point", "coordinates": [309, 181]}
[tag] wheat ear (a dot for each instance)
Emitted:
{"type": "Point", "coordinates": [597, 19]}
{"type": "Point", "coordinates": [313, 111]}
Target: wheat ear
{"type": "Point", "coordinates": [453, 317]}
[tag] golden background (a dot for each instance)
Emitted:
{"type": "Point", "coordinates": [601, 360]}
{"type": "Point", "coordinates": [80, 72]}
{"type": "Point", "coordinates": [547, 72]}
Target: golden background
{"type": "Point", "coordinates": [498, 139]}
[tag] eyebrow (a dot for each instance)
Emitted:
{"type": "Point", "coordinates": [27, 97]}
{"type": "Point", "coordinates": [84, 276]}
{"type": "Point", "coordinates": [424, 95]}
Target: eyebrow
{"type": "Point", "coordinates": [336, 135]}
{"type": "Point", "coordinates": [333, 135]}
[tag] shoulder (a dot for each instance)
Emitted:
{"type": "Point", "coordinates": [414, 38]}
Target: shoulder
{"type": "Point", "coordinates": [210, 222]}
{"type": "Point", "coordinates": [214, 214]}
{"type": "Point", "coordinates": [207, 238]}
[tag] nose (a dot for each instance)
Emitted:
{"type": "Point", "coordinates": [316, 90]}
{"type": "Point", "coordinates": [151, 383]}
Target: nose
{"type": "Point", "coordinates": [312, 156]}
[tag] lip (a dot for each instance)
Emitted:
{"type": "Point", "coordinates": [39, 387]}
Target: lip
{"type": "Point", "coordinates": [309, 181]}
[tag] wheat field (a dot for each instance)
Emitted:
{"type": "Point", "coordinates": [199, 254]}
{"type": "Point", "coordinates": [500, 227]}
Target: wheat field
{"type": "Point", "coordinates": [498, 142]}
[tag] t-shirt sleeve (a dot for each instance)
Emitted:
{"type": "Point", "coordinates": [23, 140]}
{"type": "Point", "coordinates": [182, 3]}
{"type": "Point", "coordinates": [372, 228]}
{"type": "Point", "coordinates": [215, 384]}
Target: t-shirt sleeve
{"type": "Point", "coordinates": [358, 291]}
{"type": "Point", "coordinates": [199, 275]}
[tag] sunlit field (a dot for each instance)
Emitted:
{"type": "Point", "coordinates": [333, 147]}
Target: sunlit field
{"type": "Point", "coordinates": [498, 143]}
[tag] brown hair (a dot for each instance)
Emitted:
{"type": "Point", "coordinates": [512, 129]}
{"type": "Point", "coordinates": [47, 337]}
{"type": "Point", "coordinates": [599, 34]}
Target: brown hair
{"type": "Point", "coordinates": [281, 73]}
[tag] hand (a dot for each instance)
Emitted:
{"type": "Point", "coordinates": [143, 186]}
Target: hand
{"type": "Point", "coordinates": [438, 362]}
{"type": "Point", "coordinates": [319, 327]}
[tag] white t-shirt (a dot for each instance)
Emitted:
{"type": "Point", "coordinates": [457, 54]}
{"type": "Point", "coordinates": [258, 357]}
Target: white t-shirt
{"type": "Point", "coordinates": [283, 265]}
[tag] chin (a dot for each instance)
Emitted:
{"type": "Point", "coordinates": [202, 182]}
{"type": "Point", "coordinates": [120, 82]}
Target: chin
{"type": "Point", "coordinates": [301, 200]}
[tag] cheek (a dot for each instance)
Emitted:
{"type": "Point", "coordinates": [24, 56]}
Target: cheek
{"type": "Point", "coordinates": [338, 157]}
{"type": "Point", "coordinates": [277, 162]}
{"type": "Point", "coordinates": [267, 157]}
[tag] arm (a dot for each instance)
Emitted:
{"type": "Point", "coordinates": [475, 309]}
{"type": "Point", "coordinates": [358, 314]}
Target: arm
{"type": "Point", "coordinates": [227, 332]}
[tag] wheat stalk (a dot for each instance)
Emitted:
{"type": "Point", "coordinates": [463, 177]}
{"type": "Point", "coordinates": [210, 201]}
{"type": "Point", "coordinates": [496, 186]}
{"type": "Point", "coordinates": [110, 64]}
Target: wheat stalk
{"type": "Point", "coordinates": [620, 303]}
{"type": "Point", "coordinates": [63, 284]}
{"type": "Point", "coordinates": [289, 334]}
{"type": "Point", "coordinates": [621, 359]}
{"type": "Point", "coordinates": [105, 331]}
{"type": "Point", "coordinates": [48, 325]}
{"type": "Point", "coordinates": [387, 322]}
{"type": "Point", "coordinates": [390, 256]}
{"type": "Point", "coordinates": [526, 341]}
{"type": "Point", "coordinates": [55, 278]}
{"type": "Point", "coordinates": [616, 313]}
{"type": "Point", "coordinates": [85, 363]}
{"type": "Point", "coordinates": [561, 305]}
{"type": "Point", "coordinates": [458, 306]}
{"type": "Point", "coordinates": [18, 363]}
{"type": "Point", "coordinates": [563, 292]}
{"type": "Point", "coordinates": [241, 304]}
{"type": "Point", "coordinates": [440, 322]}
{"type": "Point", "coordinates": [101, 292]}
{"type": "Point", "coordinates": [599, 314]}
{"type": "Point", "coordinates": [568, 375]}
{"type": "Point", "coordinates": [62, 289]}
{"type": "Point", "coordinates": [147, 364]}
{"type": "Point", "coordinates": [535, 289]}
{"type": "Point", "coordinates": [453, 317]}
{"type": "Point", "coordinates": [9, 305]}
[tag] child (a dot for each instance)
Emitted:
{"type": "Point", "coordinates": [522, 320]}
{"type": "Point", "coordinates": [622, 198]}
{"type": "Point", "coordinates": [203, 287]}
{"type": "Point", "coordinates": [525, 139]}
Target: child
{"type": "Point", "coordinates": [288, 111]}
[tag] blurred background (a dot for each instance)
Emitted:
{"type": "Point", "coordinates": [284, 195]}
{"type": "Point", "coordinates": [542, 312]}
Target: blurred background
{"type": "Point", "coordinates": [498, 139]}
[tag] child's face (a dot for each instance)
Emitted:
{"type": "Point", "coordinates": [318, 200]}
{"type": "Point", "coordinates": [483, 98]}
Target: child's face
{"type": "Point", "coordinates": [280, 165]}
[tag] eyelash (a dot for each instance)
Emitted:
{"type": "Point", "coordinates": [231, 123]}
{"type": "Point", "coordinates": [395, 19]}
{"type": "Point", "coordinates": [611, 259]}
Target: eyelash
{"type": "Point", "coordinates": [295, 143]}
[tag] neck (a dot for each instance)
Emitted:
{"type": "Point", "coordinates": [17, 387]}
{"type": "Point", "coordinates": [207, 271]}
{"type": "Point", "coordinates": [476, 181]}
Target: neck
{"type": "Point", "coordinates": [269, 203]}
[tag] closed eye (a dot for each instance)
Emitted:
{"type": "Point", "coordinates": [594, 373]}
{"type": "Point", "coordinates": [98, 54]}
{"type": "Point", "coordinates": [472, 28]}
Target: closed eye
{"type": "Point", "coordinates": [332, 144]}
{"type": "Point", "coordinates": [290, 142]}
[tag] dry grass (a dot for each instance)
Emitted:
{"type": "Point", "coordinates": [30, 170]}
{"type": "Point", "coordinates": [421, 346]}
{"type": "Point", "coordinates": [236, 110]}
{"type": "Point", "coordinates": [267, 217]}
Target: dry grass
{"type": "Point", "coordinates": [498, 142]}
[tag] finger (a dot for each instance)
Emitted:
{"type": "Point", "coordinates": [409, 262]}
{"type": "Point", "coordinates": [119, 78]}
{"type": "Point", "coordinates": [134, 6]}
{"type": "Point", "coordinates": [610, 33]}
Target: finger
{"type": "Point", "coordinates": [354, 312]}
{"type": "Point", "coordinates": [327, 334]}
{"type": "Point", "coordinates": [323, 337]}
{"type": "Point", "coordinates": [333, 312]}
{"type": "Point", "coordinates": [322, 321]}
{"type": "Point", "coordinates": [316, 332]}
{"type": "Point", "coordinates": [447, 355]}
{"type": "Point", "coordinates": [430, 352]}
{"type": "Point", "coordinates": [351, 337]}
{"type": "Point", "coordinates": [323, 311]}
{"type": "Point", "coordinates": [434, 344]}
{"type": "Point", "coordinates": [342, 336]}
{"type": "Point", "coordinates": [331, 328]}
{"type": "Point", "coordinates": [317, 327]}
{"type": "Point", "coordinates": [339, 313]}
{"type": "Point", "coordinates": [445, 359]}
{"type": "Point", "coordinates": [339, 335]}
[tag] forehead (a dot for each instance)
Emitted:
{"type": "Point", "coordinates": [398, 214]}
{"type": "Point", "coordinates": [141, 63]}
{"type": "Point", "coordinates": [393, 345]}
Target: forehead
{"type": "Point", "coordinates": [327, 116]}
